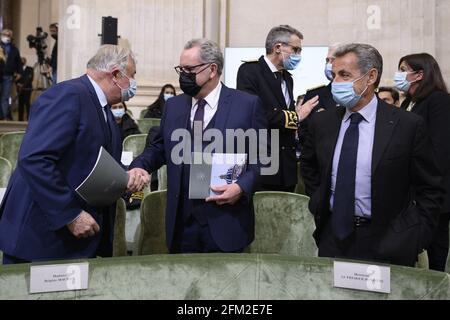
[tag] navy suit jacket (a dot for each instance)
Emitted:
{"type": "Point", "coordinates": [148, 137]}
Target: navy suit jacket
{"type": "Point", "coordinates": [232, 227]}
{"type": "Point", "coordinates": [66, 130]}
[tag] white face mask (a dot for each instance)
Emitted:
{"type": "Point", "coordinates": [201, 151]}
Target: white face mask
{"type": "Point", "coordinates": [167, 96]}
{"type": "Point", "coordinates": [401, 83]}
{"type": "Point", "coordinates": [6, 39]}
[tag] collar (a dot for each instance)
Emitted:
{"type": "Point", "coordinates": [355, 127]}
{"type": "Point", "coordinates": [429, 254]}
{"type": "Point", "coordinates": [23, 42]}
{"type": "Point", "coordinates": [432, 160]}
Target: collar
{"type": "Point", "coordinates": [271, 65]}
{"type": "Point", "coordinates": [99, 92]}
{"type": "Point", "coordinates": [212, 99]}
{"type": "Point", "coordinates": [369, 112]}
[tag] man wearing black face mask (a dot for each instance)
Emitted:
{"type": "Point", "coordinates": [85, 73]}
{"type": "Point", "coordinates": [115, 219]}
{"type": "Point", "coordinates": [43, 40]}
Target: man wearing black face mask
{"type": "Point", "coordinates": [54, 57]}
{"type": "Point", "coordinates": [223, 223]}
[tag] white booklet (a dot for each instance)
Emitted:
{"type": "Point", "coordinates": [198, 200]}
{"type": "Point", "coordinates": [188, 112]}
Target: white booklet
{"type": "Point", "coordinates": [223, 169]}
{"type": "Point", "coordinates": [106, 183]}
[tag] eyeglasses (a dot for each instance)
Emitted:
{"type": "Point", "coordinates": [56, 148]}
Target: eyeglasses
{"type": "Point", "coordinates": [188, 69]}
{"type": "Point", "coordinates": [297, 50]}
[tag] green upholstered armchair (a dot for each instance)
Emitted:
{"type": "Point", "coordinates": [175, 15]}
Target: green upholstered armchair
{"type": "Point", "coordinates": [10, 145]}
{"type": "Point", "coordinates": [152, 238]}
{"type": "Point", "coordinates": [5, 172]}
{"type": "Point", "coordinates": [143, 113]}
{"type": "Point", "coordinates": [162, 178]}
{"type": "Point", "coordinates": [135, 143]}
{"type": "Point", "coordinates": [146, 124]}
{"type": "Point", "coordinates": [119, 242]}
{"type": "Point", "coordinates": [224, 277]}
{"type": "Point", "coordinates": [283, 225]}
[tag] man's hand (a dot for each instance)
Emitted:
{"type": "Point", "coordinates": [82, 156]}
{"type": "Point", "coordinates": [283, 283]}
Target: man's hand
{"type": "Point", "coordinates": [137, 180]}
{"type": "Point", "coordinates": [84, 226]}
{"type": "Point", "coordinates": [230, 194]}
{"type": "Point", "coordinates": [305, 109]}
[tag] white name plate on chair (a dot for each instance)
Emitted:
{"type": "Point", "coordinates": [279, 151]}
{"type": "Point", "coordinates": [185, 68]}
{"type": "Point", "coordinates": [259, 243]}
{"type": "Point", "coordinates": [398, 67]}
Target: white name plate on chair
{"type": "Point", "coordinates": [364, 277]}
{"type": "Point", "coordinates": [61, 277]}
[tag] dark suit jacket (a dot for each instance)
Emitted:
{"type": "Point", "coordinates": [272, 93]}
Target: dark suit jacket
{"type": "Point", "coordinates": [435, 110]}
{"type": "Point", "coordinates": [27, 78]}
{"type": "Point", "coordinates": [66, 130]}
{"type": "Point", "coordinates": [14, 63]}
{"type": "Point", "coordinates": [326, 102]}
{"type": "Point", "coordinates": [232, 227]}
{"type": "Point", "coordinates": [256, 78]}
{"type": "Point", "coordinates": [402, 160]}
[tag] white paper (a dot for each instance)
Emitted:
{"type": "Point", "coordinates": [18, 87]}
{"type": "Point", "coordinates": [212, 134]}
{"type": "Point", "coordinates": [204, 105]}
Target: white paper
{"type": "Point", "coordinates": [127, 158]}
{"type": "Point", "coordinates": [58, 278]}
{"type": "Point", "coordinates": [226, 169]}
{"type": "Point", "coordinates": [364, 277]}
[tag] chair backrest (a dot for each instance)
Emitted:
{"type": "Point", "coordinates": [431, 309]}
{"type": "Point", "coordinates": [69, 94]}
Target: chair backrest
{"type": "Point", "coordinates": [283, 225]}
{"type": "Point", "coordinates": [162, 178]}
{"type": "Point", "coordinates": [447, 269]}
{"type": "Point", "coordinates": [152, 238]}
{"type": "Point", "coordinates": [135, 143]}
{"type": "Point", "coordinates": [145, 124]}
{"type": "Point", "coordinates": [143, 113]}
{"type": "Point", "coordinates": [10, 143]}
{"type": "Point", "coordinates": [5, 172]}
{"type": "Point", "coordinates": [119, 240]}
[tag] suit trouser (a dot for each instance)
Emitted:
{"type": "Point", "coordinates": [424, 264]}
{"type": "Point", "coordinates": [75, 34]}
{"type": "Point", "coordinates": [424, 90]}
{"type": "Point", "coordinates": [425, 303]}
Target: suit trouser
{"type": "Point", "coordinates": [357, 247]}
{"type": "Point", "coordinates": [438, 249]}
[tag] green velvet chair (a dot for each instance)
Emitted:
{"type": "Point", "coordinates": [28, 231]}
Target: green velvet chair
{"type": "Point", "coordinates": [162, 178]}
{"type": "Point", "coordinates": [146, 124]}
{"type": "Point", "coordinates": [119, 241]}
{"type": "Point", "coordinates": [135, 143]}
{"type": "Point", "coordinates": [283, 225]}
{"type": "Point", "coordinates": [224, 277]}
{"type": "Point", "coordinates": [10, 145]}
{"type": "Point", "coordinates": [447, 269]}
{"type": "Point", "coordinates": [143, 113]}
{"type": "Point", "coordinates": [5, 172]}
{"type": "Point", "coordinates": [152, 239]}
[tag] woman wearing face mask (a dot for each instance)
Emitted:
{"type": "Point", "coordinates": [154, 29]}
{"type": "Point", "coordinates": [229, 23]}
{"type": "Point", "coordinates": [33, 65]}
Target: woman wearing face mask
{"type": "Point", "coordinates": [126, 124]}
{"type": "Point", "coordinates": [157, 108]}
{"type": "Point", "coordinates": [420, 77]}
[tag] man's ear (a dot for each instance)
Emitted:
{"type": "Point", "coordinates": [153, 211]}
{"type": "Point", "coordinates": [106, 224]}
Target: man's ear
{"type": "Point", "coordinates": [373, 76]}
{"type": "Point", "coordinates": [277, 48]}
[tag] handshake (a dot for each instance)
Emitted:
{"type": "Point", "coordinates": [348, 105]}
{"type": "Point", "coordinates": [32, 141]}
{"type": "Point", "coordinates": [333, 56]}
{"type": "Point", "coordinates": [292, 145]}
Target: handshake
{"type": "Point", "coordinates": [85, 226]}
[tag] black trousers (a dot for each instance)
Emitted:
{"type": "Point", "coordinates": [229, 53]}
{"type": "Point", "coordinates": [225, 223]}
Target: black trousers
{"type": "Point", "coordinates": [438, 250]}
{"type": "Point", "coordinates": [24, 105]}
{"type": "Point", "coordinates": [357, 247]}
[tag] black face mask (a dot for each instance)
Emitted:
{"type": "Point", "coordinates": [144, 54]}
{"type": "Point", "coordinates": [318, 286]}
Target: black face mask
{"type": "Point", "coordinates": [188, 83]}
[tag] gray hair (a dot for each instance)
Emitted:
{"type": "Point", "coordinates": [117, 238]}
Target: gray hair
{"type": "Point", "coordinates": [109, 57]}
{"type": "Point", "coordinates": [368, 57]}
{"type": "Point", "coordinates": [280, 34]}
{"type": "Point", "coordinates": [209, 52]}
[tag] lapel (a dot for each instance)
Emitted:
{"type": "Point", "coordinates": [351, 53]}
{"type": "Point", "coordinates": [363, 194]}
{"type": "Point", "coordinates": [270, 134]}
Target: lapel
{"type": "Point", "coordinates": [273, 83]}
{"type": "Point", "coordinates": [223, 109]}
{"type": "Point", "coordinates": [384, 127]}
{"type": "Point", "coordinates": [98, 109]}
{"type": "Point", "coordinates": [332, 134]}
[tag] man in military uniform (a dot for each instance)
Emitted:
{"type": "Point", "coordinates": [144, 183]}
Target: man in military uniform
{"type": "Point", "coordinates": [269, 79]}
{"type": "Point", "coordinates": [326, 100]}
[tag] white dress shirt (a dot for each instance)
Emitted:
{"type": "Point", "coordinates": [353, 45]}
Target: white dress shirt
{"type": "Point", "coordinates": [212, 103]}
{"type": "Point", "coordinates": [363, 181]}
{"type": "Point", "coordinates": [100, 95]}
{"type": "Point", "coordinates": [284, 87]}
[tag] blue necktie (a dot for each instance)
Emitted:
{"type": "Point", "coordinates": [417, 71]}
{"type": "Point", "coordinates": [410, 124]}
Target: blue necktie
{"type": "Point", "coordinates": [343, 215]}
{"type": "Point", "coordinates": [200, 113]}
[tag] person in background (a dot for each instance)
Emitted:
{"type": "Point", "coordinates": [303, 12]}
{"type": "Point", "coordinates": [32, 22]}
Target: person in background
{"type": "Point", "coordinates": [24, 90]}
{"type": "Point", "coordinates": [125, 122]}
{"type": "Point", "coordinates": [420, 77]}
{"type": "Point", "coordinates": [389, 95]}
{"type": "Point", "coordinates": [12, 72]}
{"type": "Point", "coordinates": [54, 57]}
{"type": "Point", "coordinates": [269, 79]}
{"type": "Point", "coordinates": [157, 108]}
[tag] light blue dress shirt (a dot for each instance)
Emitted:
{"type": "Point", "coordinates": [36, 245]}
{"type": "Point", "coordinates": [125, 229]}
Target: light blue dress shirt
{"type": "Point", "coordinates": [363, 183]}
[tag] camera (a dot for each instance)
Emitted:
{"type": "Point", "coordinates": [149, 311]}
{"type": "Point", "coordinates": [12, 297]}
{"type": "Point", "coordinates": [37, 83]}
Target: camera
{"type": "Point", "coordinates": [38, 42]}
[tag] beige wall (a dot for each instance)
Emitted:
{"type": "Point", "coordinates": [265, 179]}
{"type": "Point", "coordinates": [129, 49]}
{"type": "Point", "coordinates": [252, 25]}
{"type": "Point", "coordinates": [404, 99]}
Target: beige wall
{"type": "Point", "coordinates": [157, 29]}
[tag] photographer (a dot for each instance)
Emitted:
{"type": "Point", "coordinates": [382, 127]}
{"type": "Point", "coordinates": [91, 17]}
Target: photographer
{"type": "Point", "coordinates": [54, 57]}
{"type": "Point", "coordinates": [13, 69]}
{"type": "Point", "coordinates": [38, 42]}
